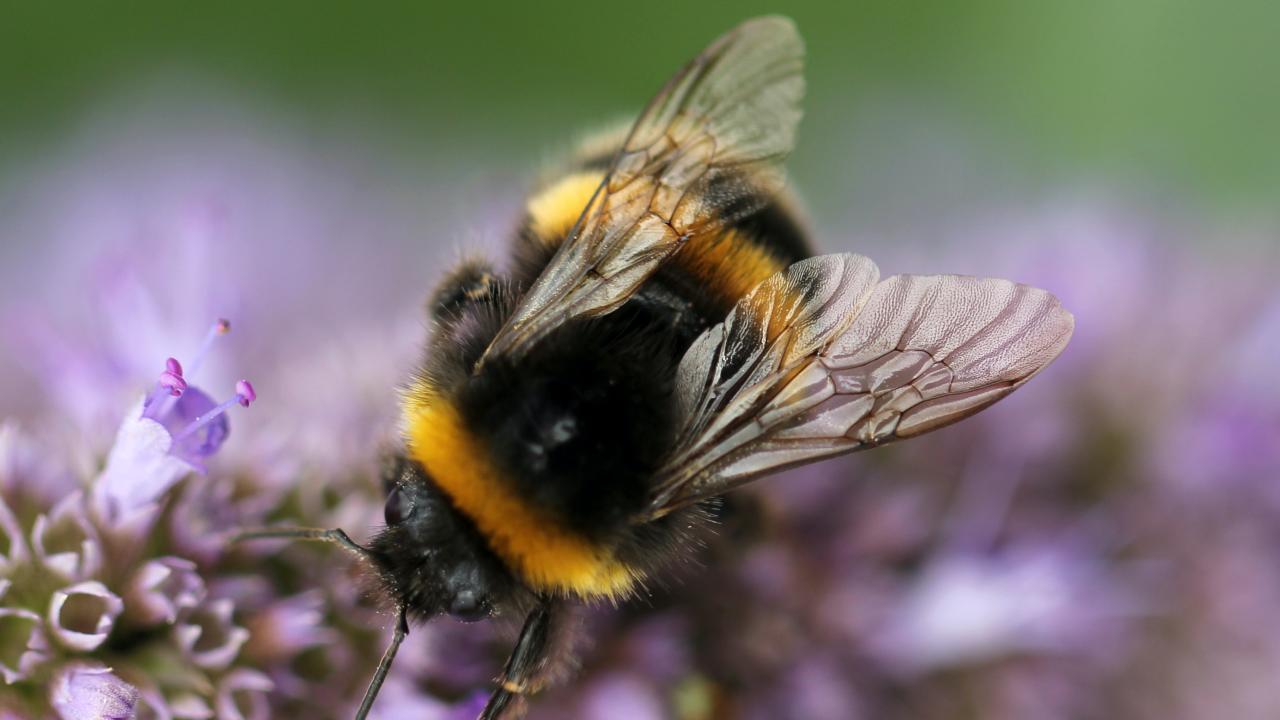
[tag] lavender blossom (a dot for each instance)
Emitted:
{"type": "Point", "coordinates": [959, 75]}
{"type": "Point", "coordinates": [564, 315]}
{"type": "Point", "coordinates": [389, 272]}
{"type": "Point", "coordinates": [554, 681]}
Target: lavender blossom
{"type": "Point", "coordinates": [82, 615]}
{"type": "Point", "coordinates": [162, 589]}
{"type": "Point", "coordinates": [24, 645]}
{"type": "Point", "coordinates": [57, 603]}
{"type": "Point", "coordinates": [83, 692]}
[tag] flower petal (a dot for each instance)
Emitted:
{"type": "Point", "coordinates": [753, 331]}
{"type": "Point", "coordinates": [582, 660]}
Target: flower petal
{"type": "Point", "coordinates": [189, 706]}
{"type": "Point", "coordinates": [82, 615]}
{"type": "Point", "coordinates": [139, 469]}
{"type": "Point", "coordinates": [85, 692]}
{"type": "Point", "coordinates": [242, 696]}
{"type": "Point", "coordinates": [22, 643]}
{"type": "Point", "coordinates": [13, 547]}
{"type": "Point", "coordinates": [161, 589]}
{"type": "Point", "coordinates": [288, 627]}
{"type": "Point", "coordinates": [208, 637]}
{"type": "Point", "coordinates": [65, 542]}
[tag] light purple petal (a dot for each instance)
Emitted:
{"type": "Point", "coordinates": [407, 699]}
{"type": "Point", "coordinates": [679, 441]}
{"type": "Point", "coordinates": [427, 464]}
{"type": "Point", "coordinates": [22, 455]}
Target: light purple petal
{"type": "Point", "coordinates": [22, 642]}
{"type": "Point", "coordinates": [83, 692]}
{"type": "Point", "coordinates": [967, 609]}
{"type": "Point", "coordinates": [189, 706]}
{"type": "Point", "coordinates": [208, 637]}
{"type": "Point", "coordinates": [139, 469]}
{"type": "Point", "coordinates": [65, 541]}
{"type": "Point", "coordinates": [152, 706]}
{"type": "Point", "coordinates": [204, 518]}
{"type": "Point", "coordinates": [27, 466]}
{"type": "Point", "coordinates": [81, 616]}
{"type": "Point", "coordinates": [13, 546]}
{"type": "Point", "coordinates": [622, 696]}
{"type": "Point", "coordinates": [242, 696]}
{"type": "Point", "coordinates": [177, 413]}
{"type": "Point", "coordinates": [289, 626]}
{"type": "Point", "coordinates": [162, 589]}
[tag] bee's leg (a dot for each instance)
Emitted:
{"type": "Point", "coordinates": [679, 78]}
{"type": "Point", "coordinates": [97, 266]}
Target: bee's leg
{"type": "Point", "coordinates": [531, 664]}
{"type": "Point", "coordinates": [384, 665]}
{"type": "Point", "coordinates": [471, 282]}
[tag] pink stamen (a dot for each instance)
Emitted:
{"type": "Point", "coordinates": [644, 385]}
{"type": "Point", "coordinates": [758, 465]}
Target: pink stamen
{"type": "Point", "coordinates": [245, 393]}
{"type": "Point", "coordinates": [241, 397]}
{"type": "Point", "coordinates": [170, 381]}
{"type": "Point", "coordinates": [173, 383]}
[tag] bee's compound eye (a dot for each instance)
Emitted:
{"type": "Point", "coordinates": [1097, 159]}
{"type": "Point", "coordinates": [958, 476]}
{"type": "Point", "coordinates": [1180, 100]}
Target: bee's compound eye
{"type": "Point", "coordinates": [398, 508]}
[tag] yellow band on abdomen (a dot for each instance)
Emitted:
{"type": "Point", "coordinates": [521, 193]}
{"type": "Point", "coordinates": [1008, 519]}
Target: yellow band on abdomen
{"type": "Point", "coordinates": [546, 555]}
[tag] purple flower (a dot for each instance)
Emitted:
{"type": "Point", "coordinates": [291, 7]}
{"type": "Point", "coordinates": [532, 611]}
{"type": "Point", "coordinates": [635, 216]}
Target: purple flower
{"type": "Point", "coordinates": [82, 615]}
{"type": "Point", "coordinates": [242, 696]}
{"type": "Point", "coordinates": [65, 541]}
{"type": "Point", "coordinates": [138, 255]}
{"type": "Point", "coordinates": [966, 609]}
{"type": "Point", "coordinates": [85, 692]}
{"type": "Point", "coordinates": [162, 589]}
{"type": "Point", "coordinates": [208, 635]}
{"type": "Point", "coordinates": [622, 695]}
{"type": "Point", "coordinates": [22, 641]}
{"type": "Point", "coordinates": [177, 428]}
{"type": "Point", "coordinates": [289, 626]}
{"type": "Point", "coordinates": [13, 544]}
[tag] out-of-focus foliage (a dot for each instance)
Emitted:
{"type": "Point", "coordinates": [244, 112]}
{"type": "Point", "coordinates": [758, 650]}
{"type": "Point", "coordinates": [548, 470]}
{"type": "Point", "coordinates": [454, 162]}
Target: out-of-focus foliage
{"type": "Point", "coordinates": [1181, 93]}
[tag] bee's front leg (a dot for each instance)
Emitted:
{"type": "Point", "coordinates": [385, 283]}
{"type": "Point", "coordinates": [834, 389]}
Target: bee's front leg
{"type": "Point", "coordinates": [533, 663]}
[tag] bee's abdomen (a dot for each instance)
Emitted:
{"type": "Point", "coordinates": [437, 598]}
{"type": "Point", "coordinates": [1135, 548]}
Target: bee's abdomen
{"type": "Point", "coordinates": [706, 276]}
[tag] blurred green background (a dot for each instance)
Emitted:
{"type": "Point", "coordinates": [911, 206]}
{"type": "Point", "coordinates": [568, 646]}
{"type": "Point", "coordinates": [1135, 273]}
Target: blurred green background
{"type": "Point", "coordinates": [1173, 98]}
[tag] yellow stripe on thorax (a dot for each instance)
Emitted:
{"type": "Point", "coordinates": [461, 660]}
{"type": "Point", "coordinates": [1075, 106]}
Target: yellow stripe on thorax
{"type": "Point", "coordinates": [546, 555]}
{"type": "Point", "coordinates": [726, 265]}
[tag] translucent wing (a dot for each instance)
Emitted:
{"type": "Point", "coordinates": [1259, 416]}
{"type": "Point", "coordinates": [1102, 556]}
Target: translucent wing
{"type": "Point", "coordinates": [919, 353]}
{"type": "Point", "coordinates": [707, 150]}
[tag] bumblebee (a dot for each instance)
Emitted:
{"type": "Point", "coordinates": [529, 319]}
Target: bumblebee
{"type": "Point", "coordinates": [664, 334]}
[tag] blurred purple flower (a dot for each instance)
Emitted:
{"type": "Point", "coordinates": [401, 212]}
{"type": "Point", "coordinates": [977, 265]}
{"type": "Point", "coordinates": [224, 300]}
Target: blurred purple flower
{"type": "Point", "coordinates": [620, 695]}
{"type": "Point", "coordinates": [923, 581]}
{"type": "Point", "coordinates": [82, 615]}
{"type": "Point", "coordinates": [65, 541]}
{"type": "Point", "coordinates": [288, 626]}
{"type": "Point", "coordinates": [242, 696]}
{"type": "Point", "coordinates": [162, 589]}
{"type": "Point", "coordinates": [22, 642]}
{"type": "Point", "coordinates": [80, 509]}
{"type": "Point", "coordinates": [83, 692]}
{"type": "Point", "coordinates": [208, 636]}
{"type": "Point", "coordinates": [967, 609]}
{"type": "Point", "coordinates": [15, 551]}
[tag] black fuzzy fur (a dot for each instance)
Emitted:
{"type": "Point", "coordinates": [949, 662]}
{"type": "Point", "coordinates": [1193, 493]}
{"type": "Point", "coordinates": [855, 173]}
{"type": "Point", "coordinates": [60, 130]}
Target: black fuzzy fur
{"type": "Point", "coordinates": [579, 425]}
{"type": "Point", "coordinates": [433, 560]}
{"type": "Point", "coordinates": [613, 376]}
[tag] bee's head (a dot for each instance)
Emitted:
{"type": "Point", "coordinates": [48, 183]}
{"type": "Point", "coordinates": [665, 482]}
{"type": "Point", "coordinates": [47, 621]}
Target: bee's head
{"type": "Point", "coordinates": [429, 557]}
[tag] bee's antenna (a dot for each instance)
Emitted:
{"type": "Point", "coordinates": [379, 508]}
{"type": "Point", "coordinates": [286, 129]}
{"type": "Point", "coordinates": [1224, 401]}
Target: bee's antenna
{"type": "Point", "coordinates": [336, 536]}
{"type": "Point", "coordinates": [384, 666]}
{"type": "Point", "coordinates": [339, 537]}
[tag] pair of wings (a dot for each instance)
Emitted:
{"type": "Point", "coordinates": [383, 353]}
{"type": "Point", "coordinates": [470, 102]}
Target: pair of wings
{"type": "Point", "coordinates": [821, 359]}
